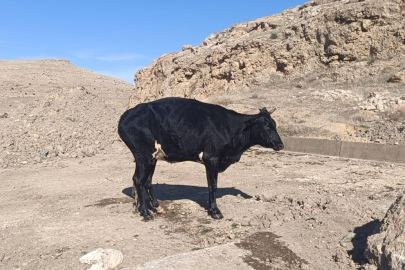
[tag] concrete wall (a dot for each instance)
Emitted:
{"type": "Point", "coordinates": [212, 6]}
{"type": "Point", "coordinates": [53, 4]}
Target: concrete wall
{"type": "Point", "coordinates": [370, 151]}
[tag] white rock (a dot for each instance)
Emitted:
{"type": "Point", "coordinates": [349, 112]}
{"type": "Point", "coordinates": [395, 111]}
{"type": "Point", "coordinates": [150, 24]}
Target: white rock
{"type": "Point", "coordinates": [103, 259]}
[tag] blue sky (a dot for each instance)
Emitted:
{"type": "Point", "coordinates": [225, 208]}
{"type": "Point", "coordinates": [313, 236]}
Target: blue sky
{"type": "Point", "coordinates": [117, 38]}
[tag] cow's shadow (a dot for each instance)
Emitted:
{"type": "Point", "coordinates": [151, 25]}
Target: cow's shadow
{"type": "Point", "coordinates": [199, 195]}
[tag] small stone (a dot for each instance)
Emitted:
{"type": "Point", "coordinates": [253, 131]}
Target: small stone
{"type": "Point", "coordinates": [244, 222]}
{"type": "Point", "coordinates": [187, 48]}
{"type": "Point", "coordinates": [347, 238]}
{"type": "Point", "coordinates": [218, 240]}
{"type": "Point", "coordinates": [88, 151]}
{"type": "Point", "coordinates": [255, 222]}
{"type": "Point", "coordinates": [266, 223]}
{"type": "Point", "coordinates": [370, 107]}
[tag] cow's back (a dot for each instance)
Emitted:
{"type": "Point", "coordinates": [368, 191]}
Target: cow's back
{"type": "Point", "coordinates": [189, 114]}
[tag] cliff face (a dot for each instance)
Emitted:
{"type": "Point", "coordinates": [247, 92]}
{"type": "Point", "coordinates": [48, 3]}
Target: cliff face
{"type": "Point", "coordinates": [334, 41]}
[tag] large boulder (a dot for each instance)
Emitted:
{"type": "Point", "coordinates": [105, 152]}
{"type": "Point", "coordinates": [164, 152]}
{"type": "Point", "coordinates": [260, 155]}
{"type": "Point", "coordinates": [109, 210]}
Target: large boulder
{"type": "Point", "coordinates": [386, 248]}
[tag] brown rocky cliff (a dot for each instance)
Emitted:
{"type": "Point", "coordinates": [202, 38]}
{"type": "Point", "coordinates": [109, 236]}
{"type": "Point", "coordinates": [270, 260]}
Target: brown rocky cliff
{"type": "Point", "coordinates": [337, 40]}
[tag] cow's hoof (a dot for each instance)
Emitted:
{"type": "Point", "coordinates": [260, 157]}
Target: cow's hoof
{"type": "Point", "coordinates": [215, 213]}
{"type": "Point", "coordinates": [147, 218]}
{"type": "Point", "coordinates": [217, 216]}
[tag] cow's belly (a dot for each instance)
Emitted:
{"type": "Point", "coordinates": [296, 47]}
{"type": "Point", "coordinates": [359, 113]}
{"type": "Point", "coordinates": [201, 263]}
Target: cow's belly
{"type": "Point", "coordinates": [166, 154]}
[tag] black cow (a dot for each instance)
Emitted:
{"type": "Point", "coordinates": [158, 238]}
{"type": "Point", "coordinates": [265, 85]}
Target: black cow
{"type": "Point", "coordinates": [178, 129]}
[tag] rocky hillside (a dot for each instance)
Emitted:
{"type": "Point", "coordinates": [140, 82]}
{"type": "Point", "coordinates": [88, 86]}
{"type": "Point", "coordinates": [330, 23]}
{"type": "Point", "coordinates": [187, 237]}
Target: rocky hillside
{"type": "Point", "coordinates": [322, 41]}
{"type": "Point", "coordinates": [51, 109]}
{"type": "Point", "coordinates": [26, 80]}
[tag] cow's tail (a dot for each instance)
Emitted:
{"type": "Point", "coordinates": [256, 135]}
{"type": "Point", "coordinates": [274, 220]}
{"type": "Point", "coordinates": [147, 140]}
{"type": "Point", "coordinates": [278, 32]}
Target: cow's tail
{"type": "Point", "coordinates": [121, 129]}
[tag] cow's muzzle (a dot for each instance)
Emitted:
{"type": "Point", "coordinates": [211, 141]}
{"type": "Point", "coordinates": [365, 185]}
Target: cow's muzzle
{"type": "Point", "coordinates": [278, 147]}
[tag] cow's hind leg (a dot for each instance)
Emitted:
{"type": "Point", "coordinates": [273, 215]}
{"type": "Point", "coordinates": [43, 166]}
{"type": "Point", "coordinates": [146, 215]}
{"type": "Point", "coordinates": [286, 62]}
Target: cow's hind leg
{"type": "Point", "coordinates": [149, 188]}
{"type": "Point", "coordinates": [135, 196]}
{"type": "Point", "coordinates": [143, 169]}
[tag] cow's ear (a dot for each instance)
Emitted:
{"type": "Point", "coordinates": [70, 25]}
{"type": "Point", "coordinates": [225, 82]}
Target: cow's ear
{"type": "Point", "coordinates": [265, 111]}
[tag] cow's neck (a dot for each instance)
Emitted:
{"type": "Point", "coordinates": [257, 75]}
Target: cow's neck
{"type": "Point", "coordinates": [240, 143]}
{"type": "Point", "coordinates": [234, 150]}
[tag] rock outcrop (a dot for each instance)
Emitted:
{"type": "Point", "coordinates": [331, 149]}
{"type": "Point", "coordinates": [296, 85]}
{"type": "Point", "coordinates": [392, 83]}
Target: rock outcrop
{"type": "Point", "coordinates": [386, 248]}
{"type": "Point", "coordinates": [333, 41]}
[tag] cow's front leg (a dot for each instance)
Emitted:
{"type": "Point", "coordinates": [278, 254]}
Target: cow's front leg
{"type": "Point", "coordinates": [211, 166]}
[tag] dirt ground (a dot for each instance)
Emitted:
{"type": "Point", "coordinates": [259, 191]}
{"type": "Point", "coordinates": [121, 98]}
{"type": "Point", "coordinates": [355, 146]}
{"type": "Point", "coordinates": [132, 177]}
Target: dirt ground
{"type": "Point", "coordinates": [66, 178]}
{"type": "Point", "coordinates": [57, 211]}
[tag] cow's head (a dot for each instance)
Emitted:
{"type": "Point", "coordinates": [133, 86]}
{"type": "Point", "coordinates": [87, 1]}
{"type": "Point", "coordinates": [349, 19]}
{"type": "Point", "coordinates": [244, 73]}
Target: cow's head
{"type": "Point", "coordinates": [263, 130]}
